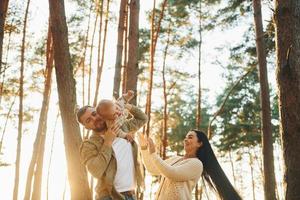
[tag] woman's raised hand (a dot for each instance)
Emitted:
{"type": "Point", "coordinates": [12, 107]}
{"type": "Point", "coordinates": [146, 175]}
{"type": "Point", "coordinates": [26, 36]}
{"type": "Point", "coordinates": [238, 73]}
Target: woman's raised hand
{"type": "Point", "coordinates": [146, 142]}
{"type": "Point", "coordinates": [151, 146]}
{"type": "Point", "coordinates": [142, 138]}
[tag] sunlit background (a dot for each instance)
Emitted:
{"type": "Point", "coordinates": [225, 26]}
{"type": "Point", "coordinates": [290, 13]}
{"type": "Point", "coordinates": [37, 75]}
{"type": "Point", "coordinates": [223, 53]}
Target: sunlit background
{"type": "Point", "coordinates": [54, 170]}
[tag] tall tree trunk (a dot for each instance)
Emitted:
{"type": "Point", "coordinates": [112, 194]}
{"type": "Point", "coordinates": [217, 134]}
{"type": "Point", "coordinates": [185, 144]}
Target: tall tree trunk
{"type": "Point", "coordinates": [51, 154]}
{"type": "Point", "coordinates": [67, 101]}
{"type": "Point", "coordinates": [133, 48]}
{"type": "Point", "coordinates": [154, 36]}
{"type": "Point", "coordinates": [232, 168]}
{"type": "Point", "coordinates": [198, 118]}
{"type": "Point", "coordinates": [3, 11]}
{"type": "Point", "coordinates": [125, 42]}
{"type": "Point", "coordinates": [91, 58]}
{"type": "Point", "coordinates": [151, 69]}
{"type": "Point", "coordinates": [36, 194]}
{"type": "Point", "coordinates": [165, 93]}
{"type": "Point", "coordinates": [20, 123]}
{"type": "Point", "coordinates": [267, 141]}
{"type": "Point", "coordinates": [99, 59]}
{"type": "Point", "coordinates": [118, 65]}
{"type": "Point", "coordinates": [100, 67]}
{"type": "Point", "coordinates": [82, 62]}
{"type": "Point", "coordinates": [287, 23]}
{"type": "Point", "coordinates": [252, 174]}
{"type": "Point", "coordinates": [6, 120]}
{"type": "Point", "coordinates": [38, 147]}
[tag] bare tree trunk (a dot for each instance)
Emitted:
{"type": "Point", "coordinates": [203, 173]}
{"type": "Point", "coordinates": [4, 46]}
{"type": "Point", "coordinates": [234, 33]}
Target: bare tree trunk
{"type": "Point", "coordinates": [198, 119]}
{"type": "Point", "coordinates": [6, 120]}
{"type": "Point", "coordinates": [125, 41]}
{"type": "Point", "coordinates": [51, 154]}
{"type": "Point", "coordinates": [3, 11]}
{"type": "Point", "coordinates": [118, 65]}
{"type": "Point", "coordinates": [36, 194]}
{"type": "Point", "coordinates": [20, 123]}
{"type": "Point", "coordinates": [34, 168]}
{"type": "Point", "coordinates": [100, 67]}
{"type": "Point", "coordinates": [232, 168]}
{"type": "Point", "coordinates": [269, 175]}
{"type": "Point", "coordinates": [287, 24]}
{"type": "Point", "coordinates": [82, 62]}
{"type": "Point", "coordinates": [83, 57]}
{"type": "Point", "coordinates": [91, 58]}
{"type": "Point", "coordinates": [151, 69]}
{"type": "Point", "coordinates": [154, 36]}
{"type": "Point", "coordinates": [252, 174]}
{"type": "Point", "coordinates": [77, 174]}
{"type": "Point", "coordinates": [165, 93]}
{"type": "Point", "coordinates": [99, 70]}
{"type": "Point", "coordinates": [133, 38]}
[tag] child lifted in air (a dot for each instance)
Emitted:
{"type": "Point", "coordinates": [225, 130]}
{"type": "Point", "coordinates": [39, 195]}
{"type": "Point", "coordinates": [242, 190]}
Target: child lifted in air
{"type": "Point", "coordinates": [108, 110]}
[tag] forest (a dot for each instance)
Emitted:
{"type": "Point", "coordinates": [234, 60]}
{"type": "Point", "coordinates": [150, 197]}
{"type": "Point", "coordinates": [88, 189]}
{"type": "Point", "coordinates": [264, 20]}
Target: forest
{"type": "Point", "coordinates": [230, 68]}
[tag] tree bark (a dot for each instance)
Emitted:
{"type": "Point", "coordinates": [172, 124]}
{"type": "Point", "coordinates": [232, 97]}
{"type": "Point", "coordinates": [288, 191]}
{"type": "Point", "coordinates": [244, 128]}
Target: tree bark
{"type": "Point", "coordinates": [99, 59]}
{"type": "Point", "coordinates": [154, 37]}
{"type": "Point", "coordinates": [151, 69]}
{"type": "Point", "coordinates": [77, 174]}
{"type": "Point", "coordinates": [91, 58]}
{"type": "Point", "coordinates": [82, 62]}
{"type": "Point", "coordinates": [232, 168]}
{"type": "Point", "coordinates": [51, 154]}
{"type": "Point", "coordinates": [3, 11]}
{"type": "Point", "coordinates": [252, 174]}
{"type": "Point", "coordinates": [165, 94]}
{"type": "Point", "coordinates": [287, 25]}
{"type": "Point", "coordinates": [267, 141]}
{"type": "Point", "coordinates": [20, 123]}
{"type": "Point", "coordinates": [36, 194]}
{"type": "Point", "coordinates": [133, 44]}
{"type": "Point", "coordinates": [36, 163]}
{"type": "Point", "coordinates": [198, 118]}
{"type": "Point", "coordinates": [100, 65]}
{"type": "Point", "coordinates": [118, 65]}
{"type": "Point", "coordinates": [125, 42]}
{"type": "Point", "coordinates": [6, 120]}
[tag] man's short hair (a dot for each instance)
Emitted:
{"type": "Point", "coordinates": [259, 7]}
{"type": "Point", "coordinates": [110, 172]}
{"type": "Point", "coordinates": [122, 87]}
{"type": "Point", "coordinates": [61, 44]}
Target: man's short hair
{"type": "Point", "coordinates": [81, 112]}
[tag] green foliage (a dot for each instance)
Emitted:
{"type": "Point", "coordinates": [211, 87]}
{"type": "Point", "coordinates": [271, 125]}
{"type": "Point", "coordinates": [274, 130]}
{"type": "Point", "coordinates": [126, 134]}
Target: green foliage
{"type": "Point", "coordinates": [185, 116]}
{"type": "Point", "coordinates": [182, 109]}
{"type": "Point", "coordinates": [239, 122]}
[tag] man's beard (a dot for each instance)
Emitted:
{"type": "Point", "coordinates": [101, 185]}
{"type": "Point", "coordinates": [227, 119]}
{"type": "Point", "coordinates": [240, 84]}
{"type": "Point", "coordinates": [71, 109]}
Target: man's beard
{"type": "Point", "coordinates": [100, 128]}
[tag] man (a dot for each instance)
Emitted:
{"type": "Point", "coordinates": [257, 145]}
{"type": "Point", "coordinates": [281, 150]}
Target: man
{"type": "Point", "coordinates": [110, 159]}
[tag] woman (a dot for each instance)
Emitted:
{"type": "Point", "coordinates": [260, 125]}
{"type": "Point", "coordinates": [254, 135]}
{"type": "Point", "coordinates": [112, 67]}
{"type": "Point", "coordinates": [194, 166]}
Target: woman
{"type": "Point", "coordinates": [180, 174]}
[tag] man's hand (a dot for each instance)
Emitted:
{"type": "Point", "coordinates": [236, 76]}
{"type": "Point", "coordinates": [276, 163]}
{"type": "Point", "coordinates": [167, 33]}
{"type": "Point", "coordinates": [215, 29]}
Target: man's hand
{"type": "Point", "coordinates": [129, 137]}
{"type": "Point", "coordinates": [110, 134]}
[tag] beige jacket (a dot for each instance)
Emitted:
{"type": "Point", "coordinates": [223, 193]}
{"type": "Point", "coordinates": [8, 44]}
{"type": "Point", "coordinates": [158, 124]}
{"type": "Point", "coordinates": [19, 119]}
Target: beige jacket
{"type": "Point", "coordinates": [101, 162]}
{"type": "Point", "coordinates": [179, 176]}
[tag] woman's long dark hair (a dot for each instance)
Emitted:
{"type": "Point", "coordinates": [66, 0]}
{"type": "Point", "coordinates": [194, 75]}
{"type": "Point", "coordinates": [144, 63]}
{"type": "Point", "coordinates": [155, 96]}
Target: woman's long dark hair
{"type": "Point", "coordinates": [212, 171]}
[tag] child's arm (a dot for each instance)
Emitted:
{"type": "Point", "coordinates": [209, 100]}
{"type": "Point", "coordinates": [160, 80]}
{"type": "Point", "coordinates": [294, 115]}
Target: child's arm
{"type": "Point", "coordinates": [139, 119]}
{"type": "Point", "coordinates": [125, 98]}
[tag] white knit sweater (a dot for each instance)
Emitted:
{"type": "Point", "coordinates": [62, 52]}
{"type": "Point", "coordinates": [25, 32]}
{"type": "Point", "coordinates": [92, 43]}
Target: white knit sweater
{"type": "Point", "coordinates": [179, 176]}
